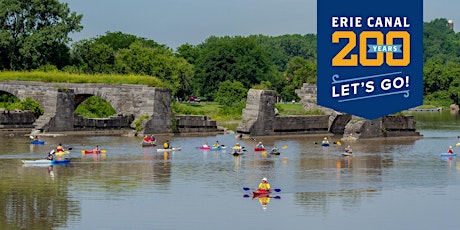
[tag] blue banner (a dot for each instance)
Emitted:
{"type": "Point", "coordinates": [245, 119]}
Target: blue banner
{"type": "Point", "coordinates": [370, 56]}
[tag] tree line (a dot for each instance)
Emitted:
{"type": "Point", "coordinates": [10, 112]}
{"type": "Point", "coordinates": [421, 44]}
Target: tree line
{"type": "Point", "coordinates": [35, 34]}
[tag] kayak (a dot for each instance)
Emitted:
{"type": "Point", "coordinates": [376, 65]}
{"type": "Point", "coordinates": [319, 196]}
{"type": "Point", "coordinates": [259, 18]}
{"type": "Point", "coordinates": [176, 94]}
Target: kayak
{"type": "Point", "coordinates": [41, 161]}
{"type": "Point", "coordinates": [39, 142]}
{"type": "Point", "coordinates": [62, 161]}
{"type": "Point", "coordinates": [261, 193]}
{"type": "Point", "coordinates": [325, 144]}
{"type": "Point", "coordinates": [216, 148]}
{"type": "Point", "coordinates": [148, 143]}
{"type": "Point", "coordinates": [448, 154]}
{"type": "Point", "coordinates": [205, 148]}
{"type": "Point", "coordinates": [259, 149]}
{"type": "Point", "coordinates": [61, 153]}
{"type": "Point", "coordinates": [275, 152]}
{"type": "Point", "coordinates": [237, 153]}
{"type": "Point", "coordinates": [169, 150]}
{"type": "Point", "coordinates": [47, 162]}
{"type": "Point", "coordinates": [92, 152]}
{"type": "Point", "coordinates": [346, 154]}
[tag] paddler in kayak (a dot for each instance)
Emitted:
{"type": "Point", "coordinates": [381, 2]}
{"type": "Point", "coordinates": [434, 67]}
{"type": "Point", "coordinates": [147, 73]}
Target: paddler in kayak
{"type": "Point", "coordinates": [59, 148]}
{"type": "Point", "coordinates": [264, 185]}
{"type": "Point", "coordinates": [50, 155]}
{"type": "Point", "coordinates": [349, 150]}
{"type": "Point", "coordinates": [217, 144]}
{"type": "Point", "coordinates": [97, 150]}
{"type": "Point", "coordinates": [450, 150]}
{"type": "Point", "coordinates": [166, 145]}
{"type": "Point", "coordinates": [260, 145]}
{"type": "Point", "coordinates": [237, 148]}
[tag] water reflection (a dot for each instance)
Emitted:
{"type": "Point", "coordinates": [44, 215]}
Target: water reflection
{"type": "Point", "coordinates": [194, 184]}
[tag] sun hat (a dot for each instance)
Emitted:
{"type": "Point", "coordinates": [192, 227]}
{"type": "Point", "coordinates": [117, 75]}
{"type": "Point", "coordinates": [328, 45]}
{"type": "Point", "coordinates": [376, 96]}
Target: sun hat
{"type": "Point", "coordinates": [264, 179]}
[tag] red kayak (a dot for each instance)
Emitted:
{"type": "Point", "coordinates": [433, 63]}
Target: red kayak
{"type": "Point", "coordinates": [259, 149]}
{"type": "Point", "coordinates": [91, 151]}
{"type": "Point", "coordinates": [261, 193]}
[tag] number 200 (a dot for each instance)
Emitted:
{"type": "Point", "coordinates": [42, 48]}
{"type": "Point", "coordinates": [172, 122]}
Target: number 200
{"type": "Point", "coordinates": [341, 60]}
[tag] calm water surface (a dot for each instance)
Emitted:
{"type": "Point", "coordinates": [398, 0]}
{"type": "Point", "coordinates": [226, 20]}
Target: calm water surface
{"type": "Point", "coordinates": [388, 184]}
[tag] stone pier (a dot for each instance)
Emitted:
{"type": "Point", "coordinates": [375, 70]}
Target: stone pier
{"type": "Point", "coordinates": [259, 119]}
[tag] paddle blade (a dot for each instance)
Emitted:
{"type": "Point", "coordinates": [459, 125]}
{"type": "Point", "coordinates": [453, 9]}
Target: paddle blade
{"type": "Point", "coordinates": [339, 143]}
{"type": "Point", "coordinates": [284, 147]}
{"type": "Point", "coordinates": [31, 137]}
{"type": "Point", "coordinates": [277, 197]}
{"type": "Point", "coordinates": [458, 144]}
{"type": "Point", "coordinates": [277, 190]}
{"type": "Point", "coordinates": [246, 196]}
{"type": "Point", "coordinates": [103, 151]}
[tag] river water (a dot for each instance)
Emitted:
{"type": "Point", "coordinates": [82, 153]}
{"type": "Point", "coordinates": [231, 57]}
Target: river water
{"type": "Point", "coordinates": [398, 183]}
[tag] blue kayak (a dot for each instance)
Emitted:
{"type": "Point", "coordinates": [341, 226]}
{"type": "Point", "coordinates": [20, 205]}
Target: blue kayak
{"type": "Point", "coordinates": [39, 142]}
{"type": "Point", "coordinates": [448, 154]}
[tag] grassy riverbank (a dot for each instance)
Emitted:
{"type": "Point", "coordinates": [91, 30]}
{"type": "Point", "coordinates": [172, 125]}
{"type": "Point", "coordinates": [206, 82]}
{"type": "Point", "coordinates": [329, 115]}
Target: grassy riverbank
{"type": "Point", "coordinates": [64, 77]}
{"type": "Point", "coordinates": [221, 113]}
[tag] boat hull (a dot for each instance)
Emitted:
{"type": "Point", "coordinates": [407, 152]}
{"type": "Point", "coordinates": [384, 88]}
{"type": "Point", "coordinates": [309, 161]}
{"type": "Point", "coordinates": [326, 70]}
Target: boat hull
{"type": "Point", "coordinates": [169, 150]}
{"type": "Point", "coordinates": [448, 154]}
{"type": "Point", "coordinates": [39, 142]}
{"type": "Point", "coordinates": [148, 144]}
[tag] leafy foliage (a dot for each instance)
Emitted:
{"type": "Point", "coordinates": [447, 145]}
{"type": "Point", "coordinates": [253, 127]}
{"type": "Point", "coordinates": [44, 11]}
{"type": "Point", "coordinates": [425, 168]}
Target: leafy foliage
{"type": "Point", "coordinates": [34, 33]}
{"type": "Point", "coordinates": [10, 102]}
{"type": "Point", "coordinates": [230, 93]}
{"type": "Point", "coordinates": [95, 107]}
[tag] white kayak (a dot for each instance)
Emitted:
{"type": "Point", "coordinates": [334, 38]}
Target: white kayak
{"type": "Point", "coordinates": [169, 150]}
{"type": "Point", "coordinates": [41, 162]}
{"type": "Point", "coordinates": [346, 154]}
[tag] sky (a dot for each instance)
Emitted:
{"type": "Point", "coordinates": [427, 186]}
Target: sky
{"type": "Point", "coordinates": [177, 22]}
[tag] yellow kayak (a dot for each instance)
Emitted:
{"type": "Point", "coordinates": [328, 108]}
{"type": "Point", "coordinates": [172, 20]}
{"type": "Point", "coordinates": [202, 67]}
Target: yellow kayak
{"type": "Point", "coordinates": [61, 153]}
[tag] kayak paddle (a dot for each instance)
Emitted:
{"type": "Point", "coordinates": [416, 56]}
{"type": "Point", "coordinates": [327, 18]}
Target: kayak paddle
{"type": "Point", "coordinates": [276, 189]}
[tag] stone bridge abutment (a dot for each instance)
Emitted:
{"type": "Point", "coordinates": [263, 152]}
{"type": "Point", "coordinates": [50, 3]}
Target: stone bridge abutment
{"type": "Point", "coordinates": [59, 101]}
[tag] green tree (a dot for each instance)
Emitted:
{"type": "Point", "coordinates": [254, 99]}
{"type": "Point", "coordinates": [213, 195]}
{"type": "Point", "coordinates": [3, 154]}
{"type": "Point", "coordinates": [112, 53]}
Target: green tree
{"type": "Point", "coordinates": [230, 93]}
{"type": "Point", "coordinates": [95, 107]}
{"type": "Point", "coordinates": [93, 57]}
{"type": "Point", "coordinates": [159, 62]}
{"type": "Point", "coordinates": [35, 33]}
{"type": "Point", "coordinates": [231, 58]}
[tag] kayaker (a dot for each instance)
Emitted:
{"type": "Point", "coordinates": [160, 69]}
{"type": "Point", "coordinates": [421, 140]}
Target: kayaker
{"type": "Point", "coordinates": [450, 150]}
{"type": "Point", "coordinates": [348, 150]}
{"type": "Point", "coordinates": [36, 138]}
{"type": "Point", "coordinates": [264, 185]}
{"type": "Point", "coordinates": [237, 147]}
{"type": "Point", "coordinates": [325, 141]}
{"type": "Point", "coordinates": [97, 150]}
{"type": "Point", "coordinates": [50, 156]}
{"type": "Point", "coordinates": [166, 145]}
{"type": "Point", "coordinates": [146, 138]}
{"type": "Point", "coordinates": [152, 138]}
{"type": "Point", "coordinates": [205, 145]}
{"type": "Point", "coordinates": [275, 149]}
{"type": "Point", "coordinates": [260, 145]}
{"type": "Point", "coordinates": [60, 148]}
{"type": "Point", "coordinates": [217, 144]}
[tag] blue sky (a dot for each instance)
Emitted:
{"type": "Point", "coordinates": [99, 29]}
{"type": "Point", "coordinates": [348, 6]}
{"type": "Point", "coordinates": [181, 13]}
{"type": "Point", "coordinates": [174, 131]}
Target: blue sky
{"type": "Point", "coordinates": [176, 22]}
